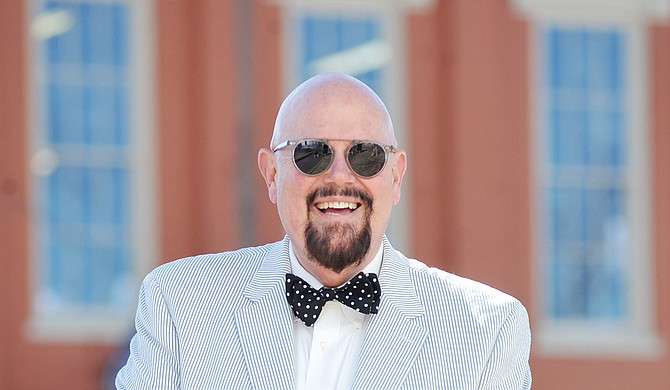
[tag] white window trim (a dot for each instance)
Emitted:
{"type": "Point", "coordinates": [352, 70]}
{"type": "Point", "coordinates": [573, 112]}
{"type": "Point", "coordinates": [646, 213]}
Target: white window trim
{"type": "Point", "coordinates": [392, 15]}
{"type": "Point", "coordinates": [638, 338]}
{"type": "Point", "coordinates": [103, 325]}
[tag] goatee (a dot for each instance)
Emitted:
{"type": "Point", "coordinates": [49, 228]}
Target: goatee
{"type": "Point", "coordinates": [337, 246]}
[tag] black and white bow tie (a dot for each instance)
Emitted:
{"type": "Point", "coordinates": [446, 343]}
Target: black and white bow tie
{"type": "Point", "coordinates": [361, 293]}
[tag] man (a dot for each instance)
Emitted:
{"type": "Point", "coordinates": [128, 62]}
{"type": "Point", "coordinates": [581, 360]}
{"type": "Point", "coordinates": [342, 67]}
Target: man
{"type": "Point", "coordinates": [272, 317]}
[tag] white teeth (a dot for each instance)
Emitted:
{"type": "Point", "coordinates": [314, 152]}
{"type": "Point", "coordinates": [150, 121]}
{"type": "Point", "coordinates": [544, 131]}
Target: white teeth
{"type": "Point", "coordinates": [337, 205]}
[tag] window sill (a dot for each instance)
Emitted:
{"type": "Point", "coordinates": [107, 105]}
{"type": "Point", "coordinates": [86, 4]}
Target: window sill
{"type": "Point", "coordinates": [92, 327]}
{"type": "Point", "coordinates": [598, 342]}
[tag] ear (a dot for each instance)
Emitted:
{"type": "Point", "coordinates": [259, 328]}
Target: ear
{"type": "Point", "coordinates": [266, 164]}
{"type": "Point", "coordinates": [398, 172]}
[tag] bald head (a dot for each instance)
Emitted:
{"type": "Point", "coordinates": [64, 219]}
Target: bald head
{"type": "Point", "coordinates": [333, 106]}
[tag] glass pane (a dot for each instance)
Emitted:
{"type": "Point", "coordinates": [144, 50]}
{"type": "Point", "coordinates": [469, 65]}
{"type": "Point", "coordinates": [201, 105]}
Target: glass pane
{"type": "Point", "coordinates": [567, 60]}
{"type": "Point", "coordinates": [569, 137]}
{"type": "Point", "coordinates": [65, 187]}
{"type": "Point", "coordinates": [606, 139]}
{"type": "Point", "coordinates": [100, 112]}
{"type": "Point", "coordinates": [66, 114]}
{"type": "Point", "coordinates": [567, 215]}
{"type": "Point", "coordinates": [98, 34]}
{"type": "Point", "coordinates": [568, 283]}
{"type": "Point", "coordinates": [65, 48]}
{"type": "Point", "coordinates": [604, 60]}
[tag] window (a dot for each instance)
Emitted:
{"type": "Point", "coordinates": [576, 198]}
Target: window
{"type": "Point", "coordinates": [584, 183]}
{"type": "Point", "coordinates": [349, 44]}
{"type": "Point", "coordinates": [91, 186]}
{"type": "Point", "coordinates": [363, 39]}
{"type": "Point", "coordinates": [591, 182]}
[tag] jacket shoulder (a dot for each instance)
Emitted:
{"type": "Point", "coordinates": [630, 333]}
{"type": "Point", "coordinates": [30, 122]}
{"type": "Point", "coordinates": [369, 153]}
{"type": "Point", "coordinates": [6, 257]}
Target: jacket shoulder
{"type": "Point", "coordinates": [240, 261]}
{"type": "Point", "coordinates": [204, 277]}
{"type": "Point", "coordinates": [438, 287]}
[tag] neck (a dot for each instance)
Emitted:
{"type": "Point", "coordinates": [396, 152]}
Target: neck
{"type": "Point", "coordinates": [330, 278]}
{"type": "Point", "coordinates": [326, 276]}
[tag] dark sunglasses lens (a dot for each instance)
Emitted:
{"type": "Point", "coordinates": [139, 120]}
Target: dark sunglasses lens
{"type": "Point", "coordinates": [312, 157]}
{"type": "Point", "coordinates": [367, 158]}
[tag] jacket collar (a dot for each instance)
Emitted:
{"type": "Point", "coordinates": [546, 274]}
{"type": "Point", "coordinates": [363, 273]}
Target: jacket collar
{"type": "Point", "coordinates": [399, 323]}
{"type": "Point", "coordinates": [265, 323]}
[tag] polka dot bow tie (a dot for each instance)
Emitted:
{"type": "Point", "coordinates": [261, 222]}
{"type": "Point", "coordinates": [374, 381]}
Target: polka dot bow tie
{"type": "Point", "coordinates": [361, 293]}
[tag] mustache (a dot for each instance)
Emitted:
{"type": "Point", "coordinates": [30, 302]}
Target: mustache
{"type": "Point", "coordinates": [351, 192]}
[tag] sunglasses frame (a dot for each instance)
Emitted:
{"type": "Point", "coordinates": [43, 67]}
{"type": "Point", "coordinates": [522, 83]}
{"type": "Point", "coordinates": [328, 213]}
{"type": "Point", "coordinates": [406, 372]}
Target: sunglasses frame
{"type": "Point", "coordinates": [387, 150]}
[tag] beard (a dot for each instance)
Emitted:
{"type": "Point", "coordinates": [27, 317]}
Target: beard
{"type": "Point", "coordinates": [337, 246]}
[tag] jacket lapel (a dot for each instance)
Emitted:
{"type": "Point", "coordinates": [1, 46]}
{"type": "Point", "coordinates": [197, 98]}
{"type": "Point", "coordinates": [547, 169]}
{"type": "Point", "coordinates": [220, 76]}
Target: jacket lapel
{"type": "Point", "coordinates": [265, 325]}
{"type": "Point", "coordinates": [396, 334]}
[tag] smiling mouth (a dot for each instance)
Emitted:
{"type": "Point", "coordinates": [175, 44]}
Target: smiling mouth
{"type": "Point", "coordinates": [337, 208]}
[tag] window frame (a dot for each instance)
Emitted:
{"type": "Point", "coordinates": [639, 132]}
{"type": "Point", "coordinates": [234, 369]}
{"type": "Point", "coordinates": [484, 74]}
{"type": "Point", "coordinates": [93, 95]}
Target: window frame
{"type": "Point", "coordinates": [96, 325]}
{"type": "Point", "coordinates": [637, 338]}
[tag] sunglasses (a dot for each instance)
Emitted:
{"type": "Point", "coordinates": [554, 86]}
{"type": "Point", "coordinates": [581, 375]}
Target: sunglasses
{"type": "Point", "coordinates": [314, 156]}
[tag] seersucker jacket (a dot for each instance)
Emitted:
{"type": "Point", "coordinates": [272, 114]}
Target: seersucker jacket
{"type": "Point", "coordinates": [221, 321]}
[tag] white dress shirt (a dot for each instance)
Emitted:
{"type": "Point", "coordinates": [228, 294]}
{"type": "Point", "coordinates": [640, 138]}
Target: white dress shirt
{"type": "Point", "coordinates": [326, 353]}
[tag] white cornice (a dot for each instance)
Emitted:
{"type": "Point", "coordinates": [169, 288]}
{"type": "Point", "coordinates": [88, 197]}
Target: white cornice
{"type": "Point", "coordinates": [349, 4]}
{"type": "Point", "coordinates": [601, 10]}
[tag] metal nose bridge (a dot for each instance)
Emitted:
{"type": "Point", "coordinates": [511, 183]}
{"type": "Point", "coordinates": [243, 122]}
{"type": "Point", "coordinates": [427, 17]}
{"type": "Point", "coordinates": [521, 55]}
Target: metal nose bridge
{"type": "Point", "coordinates": [339, 165]}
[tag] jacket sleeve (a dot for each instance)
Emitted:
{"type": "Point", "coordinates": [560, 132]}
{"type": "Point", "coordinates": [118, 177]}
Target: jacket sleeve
{"type": "Point", "coordinates": [508, 363]}
{"type": "Point", "coordinates": [153, 361]}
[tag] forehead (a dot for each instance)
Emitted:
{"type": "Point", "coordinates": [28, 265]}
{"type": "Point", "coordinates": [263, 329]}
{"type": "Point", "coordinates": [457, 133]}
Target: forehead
{"type": "Point", "coordinates": [338, 127]}
{"type": "Point", "coordinates": [344, 112]}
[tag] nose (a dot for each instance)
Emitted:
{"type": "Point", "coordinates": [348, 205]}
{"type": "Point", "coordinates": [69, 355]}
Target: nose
{"type": "Point", "coordinates": [339, 172]}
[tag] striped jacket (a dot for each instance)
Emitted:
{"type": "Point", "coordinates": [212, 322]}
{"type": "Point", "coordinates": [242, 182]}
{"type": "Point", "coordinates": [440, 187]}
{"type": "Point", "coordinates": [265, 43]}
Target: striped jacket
{"type": "Point", "coordinates": [221, 321]}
